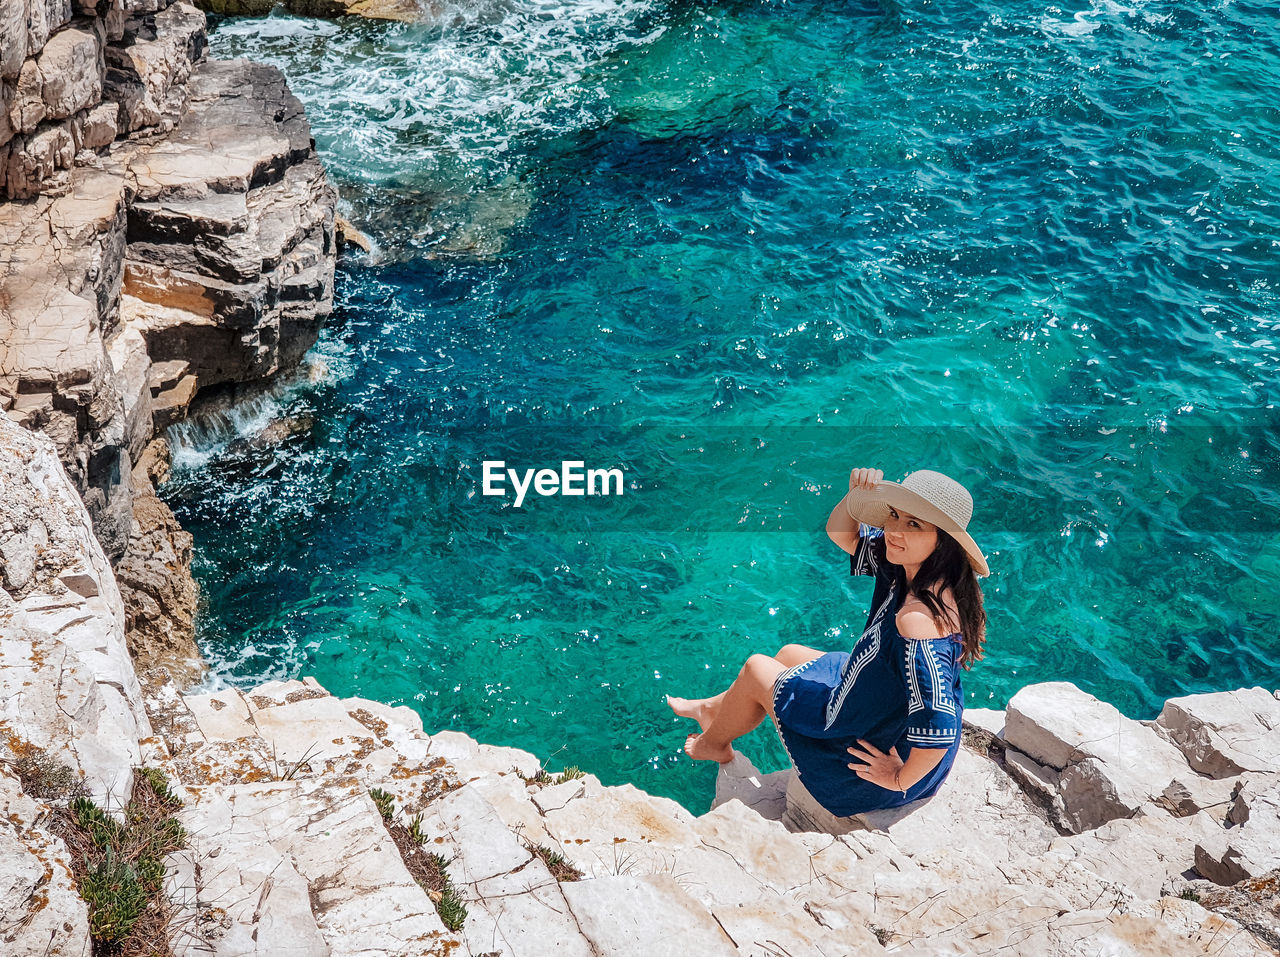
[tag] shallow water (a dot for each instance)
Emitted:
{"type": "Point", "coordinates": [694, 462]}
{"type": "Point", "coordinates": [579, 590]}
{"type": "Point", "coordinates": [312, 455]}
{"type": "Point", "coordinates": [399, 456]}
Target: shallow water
{"type": "Point", "coordinates": [736, 249]}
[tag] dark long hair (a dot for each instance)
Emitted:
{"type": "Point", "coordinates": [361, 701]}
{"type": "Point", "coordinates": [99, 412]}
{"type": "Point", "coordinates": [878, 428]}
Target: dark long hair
{"type": "Point", "coordinates": [948, 567]}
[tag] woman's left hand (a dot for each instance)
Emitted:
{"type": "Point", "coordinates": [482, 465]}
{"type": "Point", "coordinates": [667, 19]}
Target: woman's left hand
{"type": "Point", "coordinates": [879, 768]}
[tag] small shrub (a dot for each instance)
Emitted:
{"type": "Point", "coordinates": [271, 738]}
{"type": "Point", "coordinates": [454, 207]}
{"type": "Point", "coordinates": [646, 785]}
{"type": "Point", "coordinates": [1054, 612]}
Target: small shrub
{"type": "Point", "coordinates": [94, 821]}
{"type": "Point", "coordinates": [557, 863]}
{"type": "Point", "coordinates": [448, 902]}
{"type": "Point", "coordinates": [159, 785]}
{"type": "Point", "coordinates": [883, 934]}
{"type": "Point", "coordinates": [415, 829]}
{"type": "Point", "coordinates": [120, 867]}
{"type": "Point", "coordinates": [116, 899]}
{"type": "Point", "coordinates": [453, 913]}
{"type": "Point", "coordinates": [1190, 894]}
{"type": "Point", "coordinates": [385, 803]}
{"type": "Point", "coordinates": [46, 778]}
{"type": "Point", "coordinates": [569, 774]}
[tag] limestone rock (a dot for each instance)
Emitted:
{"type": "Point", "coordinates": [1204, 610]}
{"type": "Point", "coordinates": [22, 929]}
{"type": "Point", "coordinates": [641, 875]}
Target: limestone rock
{"type": "Point", "coordinates": [629, 916]}
{"type": "Point", "coordinates": [1254, 904]}
{"type": "Point", "coordinates": [71, 67]}
{"type": "Point", "coordinates": [8, 94]}
{"type": "Point", "coordinates": [44, 17]}
{"type": "Point", "coordinates": [63, 259]}
{"type": "Point", "coordinates": [148, 77]}
{"type": "Point", "coordinates": [1041, 783]}
{"type": "Point", "coordinates": [27, 107]}
{"type": "Point", "coordinates": [985, 724]}
{"type": "Point", "coordinates": [160, 596]}
{"type": "Point", "coordinates": [13, 38]}
{"type": "Point", "coordinates": [1145, 854]}
{"type": "Point", "coordinates": [1249, 850]}
{"type": "Point", "coordinates": [43, 912]}
{"type": "Point", "coordinates": [170, 405]}
{"type": "Point", "coordinates": [740, 780]}
{"type": "Point", "coordinates": [1110, 765]}
{"type": "Point", "coordinates": [35, 158]}
{"type": "Point", "coordinates": [127, 353]}
{"type": "Point", "coordinates": [1225, 733]}
{"type": "Point", "coordinates": [514, 904]}
{"type": "Point", "coordinates": [66, 683]}
{"type": "Point", "coordinates": [280, 844]}
{"type": "Point", "coordinates": [231, 251]}
{"type": "Point", "coordinates": [604, 829]}
{"type": "Point", "coordinates": [100, 126]}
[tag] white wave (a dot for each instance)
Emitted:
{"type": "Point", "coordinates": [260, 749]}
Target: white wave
{"type": "Point", "coordinates": [386, 97]}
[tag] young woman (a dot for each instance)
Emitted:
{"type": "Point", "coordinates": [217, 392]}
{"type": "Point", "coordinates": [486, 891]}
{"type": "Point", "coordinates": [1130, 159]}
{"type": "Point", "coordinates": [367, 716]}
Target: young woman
{"type": "Point", "coordinates": [894, 702]}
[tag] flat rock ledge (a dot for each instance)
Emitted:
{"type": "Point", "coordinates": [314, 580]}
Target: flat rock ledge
{"type": "Point", "coordinates": [1065, 828]}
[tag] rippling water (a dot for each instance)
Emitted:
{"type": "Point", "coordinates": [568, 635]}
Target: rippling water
{"type": "Point", "coordinates": [735, 249]}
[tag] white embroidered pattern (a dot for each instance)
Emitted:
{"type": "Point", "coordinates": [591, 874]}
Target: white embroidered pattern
{"type": "Point", "coordinates": [864, 559]}
{"type": "Point", "coordinates": [931, 736]}
{"type": "Point", "coordinates": [859, 661]}
{"type": "Point", "coordinates": [940, 694]}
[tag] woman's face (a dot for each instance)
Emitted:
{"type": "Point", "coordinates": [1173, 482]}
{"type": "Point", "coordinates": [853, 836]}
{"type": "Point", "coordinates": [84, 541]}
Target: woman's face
{"type": "Point", "coordinates": [908, 540]}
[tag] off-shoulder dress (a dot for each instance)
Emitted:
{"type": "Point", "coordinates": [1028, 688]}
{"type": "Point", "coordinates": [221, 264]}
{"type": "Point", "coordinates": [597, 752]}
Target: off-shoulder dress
{"type": "Point", "coordinates": [889, 690]}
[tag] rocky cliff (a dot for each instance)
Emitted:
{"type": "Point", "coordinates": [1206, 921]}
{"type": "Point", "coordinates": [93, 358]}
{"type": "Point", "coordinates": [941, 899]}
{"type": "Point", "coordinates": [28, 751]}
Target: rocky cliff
{"type": "Point", "coordinates": [1065, 827]}
{"type": "Point", "coordinates": [169, 231]}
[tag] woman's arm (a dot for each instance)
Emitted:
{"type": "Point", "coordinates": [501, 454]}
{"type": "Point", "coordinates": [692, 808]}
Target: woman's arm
{"type": "Point", "coordinates": [841, 528]}
{"type": "Point", "coordinates": [889, 771]}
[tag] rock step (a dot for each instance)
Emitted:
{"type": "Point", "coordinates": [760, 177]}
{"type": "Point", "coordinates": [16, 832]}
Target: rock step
{"type": "Point", "coordinates": [304, 867]}
{"type": "Point", "coordinates": [280, 810]}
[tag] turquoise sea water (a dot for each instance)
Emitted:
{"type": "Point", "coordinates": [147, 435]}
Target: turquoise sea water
{"type": "Point", "coordinates": [735, 249]}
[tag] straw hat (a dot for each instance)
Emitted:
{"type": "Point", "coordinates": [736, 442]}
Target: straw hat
{"type": "Point", "coordinates": [932, 496]}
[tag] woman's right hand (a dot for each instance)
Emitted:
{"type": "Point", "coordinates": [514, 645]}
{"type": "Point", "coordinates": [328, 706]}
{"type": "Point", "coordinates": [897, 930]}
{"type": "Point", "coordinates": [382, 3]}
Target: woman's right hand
{"type": "Point", "coordinates": [865, 478]}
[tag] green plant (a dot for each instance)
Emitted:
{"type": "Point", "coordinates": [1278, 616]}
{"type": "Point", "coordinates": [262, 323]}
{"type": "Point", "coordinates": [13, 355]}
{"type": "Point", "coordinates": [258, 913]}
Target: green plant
{"type": "Point", "coordinates": [385, 803]}
{"type": "Point", "coordinates": [415, 829]}
{"type": "Point", "coordinates": [160, 786]}
{"type": "Point", "coordinates": [116, 898]}
{"type": "Point", "coordinates": [571, 773]}
{"type": "Point", "coordinates": [1190, 894]}
{"type": "Point", "coordinates": [45, 778]}
{"type": "Point", "coordinates": [449, 903]}
{"type": "Point", "coordinates": [557, 863]}
{"type": "Point", "coordinates": [94, 821]}
{"type": "Point", "coordinates": [120, 866]}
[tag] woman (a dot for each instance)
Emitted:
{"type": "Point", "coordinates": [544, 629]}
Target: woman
{"type": "Point", "coordinates": [894, 702]}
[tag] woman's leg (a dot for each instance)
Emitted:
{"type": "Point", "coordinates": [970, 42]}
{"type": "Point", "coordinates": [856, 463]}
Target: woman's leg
{"type": "Point", "coordinates": [748, 701]}
{"type": "Point", "coordinates": [704, 710]}
{"type": "Point", "coordinates": [701, 710]}
{"type": "Point", "coordinates": [792, 655]}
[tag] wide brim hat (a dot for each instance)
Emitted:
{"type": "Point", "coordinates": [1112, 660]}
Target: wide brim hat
{"type": "Point", "coordinates": [932, 496]}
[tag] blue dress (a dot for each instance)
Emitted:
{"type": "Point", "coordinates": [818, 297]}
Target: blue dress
{"type": "Point", "coordinates": [889, 690]}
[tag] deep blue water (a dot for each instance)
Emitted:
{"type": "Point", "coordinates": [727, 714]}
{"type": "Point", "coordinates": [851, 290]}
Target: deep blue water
{"type": "Point", "coordinates": [736, 249]}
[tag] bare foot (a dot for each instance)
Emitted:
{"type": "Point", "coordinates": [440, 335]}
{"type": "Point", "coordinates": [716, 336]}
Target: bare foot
{"type": "Point", "coordinates": [697, 747]}
{"type": "Point", "coordinates": [696, 708]}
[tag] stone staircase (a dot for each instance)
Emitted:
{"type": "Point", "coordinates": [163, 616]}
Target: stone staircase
{"type": "Point", "coordinates": [289, 854]}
